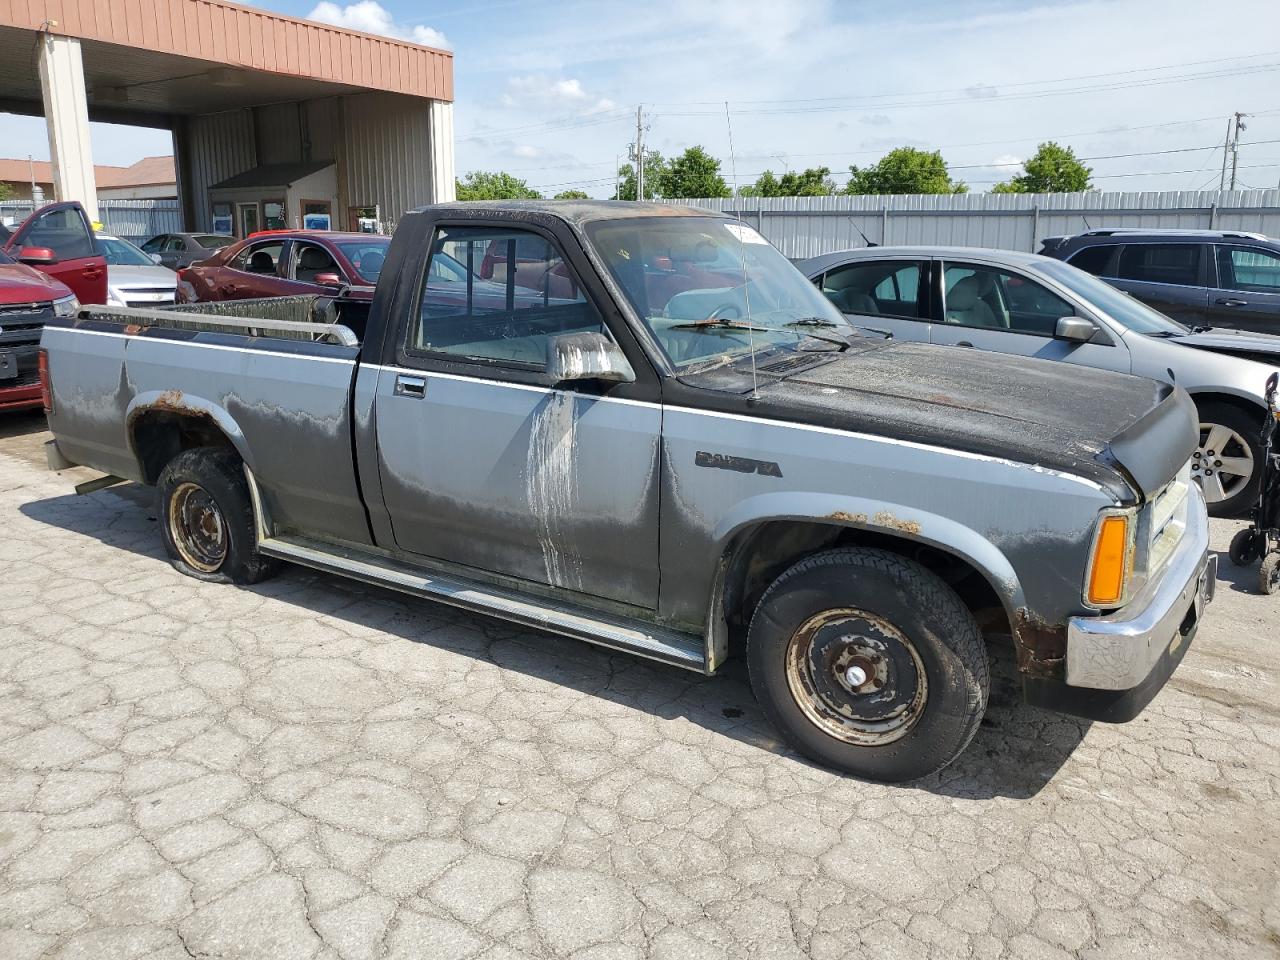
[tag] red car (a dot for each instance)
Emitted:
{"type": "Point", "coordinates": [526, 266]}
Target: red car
{"type": "Point", "coordinates": [287, 262]}
{"type": "Point", "coordinates": [58, 240]}
{"type": "Point", "coordinates": [27, 299]}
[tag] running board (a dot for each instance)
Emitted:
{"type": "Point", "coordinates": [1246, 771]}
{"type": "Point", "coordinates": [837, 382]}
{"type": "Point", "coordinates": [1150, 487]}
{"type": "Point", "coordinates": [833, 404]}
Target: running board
{"type": "Point", "coordinates": [652, 642]}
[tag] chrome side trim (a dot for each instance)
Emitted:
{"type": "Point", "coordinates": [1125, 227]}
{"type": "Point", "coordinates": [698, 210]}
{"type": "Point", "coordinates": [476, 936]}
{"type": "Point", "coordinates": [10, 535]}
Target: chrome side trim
{"type": "Point", "coordinates": [645, 640]}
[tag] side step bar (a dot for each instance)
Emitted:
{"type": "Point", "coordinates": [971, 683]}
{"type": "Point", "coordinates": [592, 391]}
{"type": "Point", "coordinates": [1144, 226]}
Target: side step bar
{"type": "Point", "coordinates": [652, 642]}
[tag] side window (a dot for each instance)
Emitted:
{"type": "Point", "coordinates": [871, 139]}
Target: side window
{"type": "Point", "coordinates": [1176, 263]}
{"type": "Point", "coordinates": [498, 295]}
{"type": "Point", "coordinates": [886, 287]}
{"type": "Point", "coordinates": [258, 257]}
{"type": "Point", "coordinates": [311, 259]}
{"type": "Point", "coordinates": [177, 243]}
{"type": "Point", "coordinates": [155, 244]}
{"type": "Point", "coordinates": [1247, 268]}
{"type": "Point", "coordinates": [978, 296]}
{"type": "Point", "coordinates": [1094, 259]}
{"type": "Point", "coordinates": [64, 231]}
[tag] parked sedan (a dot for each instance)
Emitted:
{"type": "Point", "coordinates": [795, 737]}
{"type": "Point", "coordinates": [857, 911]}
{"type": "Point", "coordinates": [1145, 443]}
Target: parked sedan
{"type": "Point", "coordinates": [1040, 307]}
{"type": "Point", "coordinates": [177, 250]}
{"type": "Point", "coordinates": [133, 278]}
{"type": "Point", "coordinates": [287, 262]}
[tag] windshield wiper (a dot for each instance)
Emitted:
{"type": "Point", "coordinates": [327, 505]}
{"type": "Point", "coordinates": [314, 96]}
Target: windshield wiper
{"type": "Point", "coordinates": [1203, 328]}
{"type": "Point", "coordinates": [720, 323]}
{"type": "Point", "coordinates": [811, 322]}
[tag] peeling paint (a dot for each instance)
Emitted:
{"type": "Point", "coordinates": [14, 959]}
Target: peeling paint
{"type": "Point", "coordinates": [886, 519]}
{"type": "Point", "coordinates": [551, 483]}
{"type": "Point", "coordinates": [1041, 647]}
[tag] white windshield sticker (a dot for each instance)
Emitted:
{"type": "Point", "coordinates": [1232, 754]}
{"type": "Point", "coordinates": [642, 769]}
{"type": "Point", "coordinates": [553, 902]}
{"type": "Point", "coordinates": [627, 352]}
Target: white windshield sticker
{"type": "Point", "coordinates": [744, 233]}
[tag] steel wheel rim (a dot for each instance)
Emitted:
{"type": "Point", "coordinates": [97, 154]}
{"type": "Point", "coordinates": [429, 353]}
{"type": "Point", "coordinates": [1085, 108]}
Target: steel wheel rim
{"type": "Point", "coordinates": [198, 529]}
{"type": "Point", "coordinates": [833, 650]}
{"type": "Point", "coordinates": [1223, 462]}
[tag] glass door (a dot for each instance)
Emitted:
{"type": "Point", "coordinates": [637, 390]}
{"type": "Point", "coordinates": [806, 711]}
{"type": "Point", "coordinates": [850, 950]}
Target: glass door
{"type": "Point", "coordinates": [248, 218]}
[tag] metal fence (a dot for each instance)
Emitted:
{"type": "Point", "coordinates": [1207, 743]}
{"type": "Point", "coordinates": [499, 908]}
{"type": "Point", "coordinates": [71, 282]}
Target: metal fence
{"type": "Point", "coordinates": [135, 220]}
{"type": "Point", "coordinates": [808, 226]}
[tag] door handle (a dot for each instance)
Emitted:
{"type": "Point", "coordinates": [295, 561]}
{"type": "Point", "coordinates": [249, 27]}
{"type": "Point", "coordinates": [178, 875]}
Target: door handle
{"type": "Point", "coordinates": [415, 387]}
{"type": "Point", "coordinates": [1232, 302]}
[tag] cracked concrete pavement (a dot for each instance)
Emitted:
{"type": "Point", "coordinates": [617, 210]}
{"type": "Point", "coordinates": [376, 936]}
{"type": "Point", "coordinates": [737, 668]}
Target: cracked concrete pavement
{"type": "Point", "coordinates": [314, 768]}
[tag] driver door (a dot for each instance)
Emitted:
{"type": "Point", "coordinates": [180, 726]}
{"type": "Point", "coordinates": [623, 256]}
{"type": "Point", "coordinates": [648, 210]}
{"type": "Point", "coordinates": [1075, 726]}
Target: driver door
{"type": "Point", "coordinates": [64, 228]}
{"type": "Point", "coordinates": [485, 464]}
{"type": "Point", "coordinates": [993, 308]}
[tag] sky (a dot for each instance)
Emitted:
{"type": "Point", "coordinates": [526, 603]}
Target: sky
{"type": "Point", "coordinates": [548, 91]}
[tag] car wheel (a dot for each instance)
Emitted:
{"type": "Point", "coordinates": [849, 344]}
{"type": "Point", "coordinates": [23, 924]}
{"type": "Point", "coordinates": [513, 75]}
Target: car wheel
{"type": "Point", "coordinates": [1246, 546]}
{"type": "Point", "coordinates": [1225, 464]}
{"type": "Point", "coordinates": [867, 662]}
{"type": "Point", "coordinates": [1269, 574]}
{"type": "Point", "coordinates": [207, 518]}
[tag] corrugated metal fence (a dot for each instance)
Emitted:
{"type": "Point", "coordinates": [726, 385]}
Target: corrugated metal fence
{"type": "Point", "coordinates": [808, 226]}
{"type": "Point", "coordinates": [135, 220]}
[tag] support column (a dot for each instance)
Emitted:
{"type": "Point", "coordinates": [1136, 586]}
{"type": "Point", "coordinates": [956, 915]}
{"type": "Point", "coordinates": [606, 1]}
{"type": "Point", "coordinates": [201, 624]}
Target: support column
{"type": "Point", "coordinates": [440, 122]}
{"type": "Point", "coordinates": [66, 114]}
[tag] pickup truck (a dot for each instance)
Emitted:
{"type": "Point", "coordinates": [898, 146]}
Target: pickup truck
{"type": "Point", "coordinates": [640, 426]}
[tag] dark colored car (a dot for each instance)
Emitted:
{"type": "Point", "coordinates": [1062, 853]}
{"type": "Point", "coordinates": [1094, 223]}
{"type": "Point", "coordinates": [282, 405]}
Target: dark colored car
{"type": "Point", "coordinates": [177, 250]}
{"type": "Point", "coordinates": [1204, 278]}
{"type": "Point", "coordinates": [286, 263]}
{"type": "Point", "coordinates": [28, 298]}
{"type": "Point", "coordinates": [58, 240]}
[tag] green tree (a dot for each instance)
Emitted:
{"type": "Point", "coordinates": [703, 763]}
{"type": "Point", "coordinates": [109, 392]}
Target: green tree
{"type": "Point", "coordinates": [766, 185]}
{"type": "Point", "coordinates": [655, 169]}
{"type": "Point", "coordinates": [572, 195]}
{"type": "Point", "coordinates": [1052, 169]}
{"type": "Point", "coordinates": [484, 185]}
{"type": "Point", "coordinates": [695, 173]}
{"type": "Point", "coordinates": [6, 191]}
{"type": "Point", "coordinates": [814, 182]}
{"type": "Point", "coordinates": [905, 170]}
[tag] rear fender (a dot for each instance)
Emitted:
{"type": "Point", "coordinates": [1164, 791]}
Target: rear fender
{"type": "Point", "coordinates": [183, 406]}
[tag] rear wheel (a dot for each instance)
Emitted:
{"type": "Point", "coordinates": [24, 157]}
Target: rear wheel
{"type": "Point", "coordinates": [1269, 574]}
{"type": "Point", "coordinates": [1226, 463]}
{"type": "Point", "coordinates": [869, 663]}
{"type": "Point", "coordinates": [1246, 546]}
{"type": "Point", "coordinates": [208, 518]}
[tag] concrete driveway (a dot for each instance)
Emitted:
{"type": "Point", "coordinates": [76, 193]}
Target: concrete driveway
{"type": "Point", "coordinates": [314, 768]}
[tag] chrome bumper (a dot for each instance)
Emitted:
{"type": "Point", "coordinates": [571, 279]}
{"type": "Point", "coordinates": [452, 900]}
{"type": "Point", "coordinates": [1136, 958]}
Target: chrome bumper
{"type": "Point", "coordinates": [1121, 650]}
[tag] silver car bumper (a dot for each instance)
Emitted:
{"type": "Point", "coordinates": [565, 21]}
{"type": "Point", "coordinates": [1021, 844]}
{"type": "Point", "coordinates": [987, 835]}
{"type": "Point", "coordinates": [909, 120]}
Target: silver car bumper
{"type": "Point", "coordinates": [1122, 650]}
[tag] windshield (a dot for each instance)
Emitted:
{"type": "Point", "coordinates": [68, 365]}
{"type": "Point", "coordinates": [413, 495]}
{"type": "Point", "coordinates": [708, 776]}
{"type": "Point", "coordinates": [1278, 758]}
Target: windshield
{"type": "Point", "coordinates": [366, 256]}
{"type": "Point", "coordinates": [684, 276]}
{"type": "Point", "coordinates": [1118, 305]}
{"type": "Point", "coordinates": [211, 241]}
{"type": "Point", "coordinates": [122, 253]}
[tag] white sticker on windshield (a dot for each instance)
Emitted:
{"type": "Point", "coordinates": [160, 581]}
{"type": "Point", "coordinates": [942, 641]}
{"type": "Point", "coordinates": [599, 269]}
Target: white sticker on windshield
{"type": "Point", "coordinates": [744, 233]}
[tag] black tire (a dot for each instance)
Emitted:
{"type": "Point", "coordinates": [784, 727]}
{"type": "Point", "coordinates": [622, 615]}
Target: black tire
{"type": "Point", "coordinates": [207, 518]}
{"type": "Point", "coordinates": [1246, 546]}
{"type": "Point", "coordinates": [1269, 574]}
{"type": "Point", "coordinates": [914, 618]}
{"type": "Point", "coordinates": [1248, 428]}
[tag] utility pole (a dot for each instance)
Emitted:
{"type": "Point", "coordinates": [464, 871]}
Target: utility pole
{"type": "Point", "coordinates": [1235, 146]}
{"type": "Point", "coordinates": [1226, 149]}
{"type": "Point", "coordinates": [640, 152]}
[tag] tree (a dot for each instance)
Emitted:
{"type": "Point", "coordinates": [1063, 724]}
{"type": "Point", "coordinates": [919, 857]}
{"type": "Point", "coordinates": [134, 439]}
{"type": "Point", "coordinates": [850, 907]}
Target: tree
{"type": "Point", "coordinates": [814, 182]}
{"type": "Point", "coordinates": [483, 185]}
{"type": "Point", "coordinates": [655, 169]}
{"type": "Point", "coordinates": [695, 173]}
{"type": "Point", "coordinates": [6, 191]}
{"type": "Point", "coordinates": [572, 195]}
{"type": "Point", "coordinates": [1052, 169]}
{"type": "Point", "coordinates": [905, 170]}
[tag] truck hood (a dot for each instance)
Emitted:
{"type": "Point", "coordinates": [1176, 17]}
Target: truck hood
{"type": "Point", "coordinates": [22, 284]}
{"type": "Point", "coordinates": [1260, 347]}
{"type": "Point", "coordinates": [128, 275]}
{"type": "Point", "coordinates": [1126, 433]}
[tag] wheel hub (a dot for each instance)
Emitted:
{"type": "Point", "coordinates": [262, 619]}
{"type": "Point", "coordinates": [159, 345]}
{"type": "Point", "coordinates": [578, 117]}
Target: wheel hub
{"type": "Point", "coordinates": [1222, 464]}
{"type": "Point", "coordinates": [198, 529]}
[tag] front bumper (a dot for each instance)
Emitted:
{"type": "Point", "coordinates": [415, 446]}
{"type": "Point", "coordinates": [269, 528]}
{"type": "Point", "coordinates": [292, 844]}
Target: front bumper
{"type": "Point", "coordinates": [1117, 663]}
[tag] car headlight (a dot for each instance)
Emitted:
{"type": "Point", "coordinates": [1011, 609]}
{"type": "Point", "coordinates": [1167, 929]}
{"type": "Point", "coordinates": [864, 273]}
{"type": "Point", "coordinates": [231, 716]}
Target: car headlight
{"type": "Point", "coordinates": [66, 307]}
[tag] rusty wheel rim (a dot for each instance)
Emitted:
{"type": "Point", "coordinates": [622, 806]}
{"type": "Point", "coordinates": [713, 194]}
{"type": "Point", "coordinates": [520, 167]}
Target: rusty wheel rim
{"type": "Point", "coordinates": [198, 529]}
{"type": "Point", "coordinates": [856, 677]}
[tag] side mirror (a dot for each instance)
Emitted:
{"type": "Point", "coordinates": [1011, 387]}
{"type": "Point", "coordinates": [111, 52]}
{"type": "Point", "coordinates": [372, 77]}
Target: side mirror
{"type": "Point", "coordinates": [1074, 330]}
{"type": "Point", "coordinates": [156, 258]}
{"type": "Point", "coordinates": [586, 356]}
{"type": "Point", "coordinates": [327, 279]}
{"type": "Point", "coordinates": [37, 256]}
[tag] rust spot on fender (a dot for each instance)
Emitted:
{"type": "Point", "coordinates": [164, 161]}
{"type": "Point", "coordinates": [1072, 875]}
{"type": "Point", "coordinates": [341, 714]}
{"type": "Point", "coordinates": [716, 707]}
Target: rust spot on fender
{"type": "Point", "coordinates": [843, 516]}
{"type": "Point", "coordinates": [886, 519]}
{"type": "Point", "coordinates": [1041, 647]}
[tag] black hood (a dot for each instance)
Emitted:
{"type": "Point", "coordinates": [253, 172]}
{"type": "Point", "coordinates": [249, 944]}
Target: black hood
{"type": "Point", "coordinates": [1118, 430]}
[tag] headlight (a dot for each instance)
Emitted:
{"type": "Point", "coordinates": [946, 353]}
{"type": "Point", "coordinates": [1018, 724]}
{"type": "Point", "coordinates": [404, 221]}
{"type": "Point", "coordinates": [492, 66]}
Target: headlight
{"type": "Point", "coordinates": [1111, 561]}
{"type": "Point", "coordinates": [66, 307]}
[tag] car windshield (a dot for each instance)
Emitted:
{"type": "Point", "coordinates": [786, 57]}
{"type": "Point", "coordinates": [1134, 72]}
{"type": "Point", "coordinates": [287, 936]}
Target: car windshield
{"type": "Point", "coordinates": [1117, 304]}
{"type": "Point", "coordinates": [122, 253]}
{"type": "Point", "coordinates": [211, 241]}
{"type": "Point", "coordinates": [366, 256]}
{"type": "Point", "coordinates": [713, 290]}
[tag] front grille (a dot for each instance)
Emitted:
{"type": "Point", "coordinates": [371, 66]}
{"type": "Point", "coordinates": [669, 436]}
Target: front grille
{"type": "Point", "coordinates": [166, 302]}
{"type": "Point", "coordinates": [17, 312]}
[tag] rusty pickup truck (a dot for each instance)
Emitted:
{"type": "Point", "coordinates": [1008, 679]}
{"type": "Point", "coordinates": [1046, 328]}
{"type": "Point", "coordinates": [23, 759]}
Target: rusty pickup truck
{"type": "Point", "coordinates": [640, 426]}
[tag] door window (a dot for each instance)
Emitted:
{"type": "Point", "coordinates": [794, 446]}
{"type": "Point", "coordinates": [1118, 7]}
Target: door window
{"type": "Point", "coordinates": [63, 230]}
{"type": "Point", "coordinates": [1248, 268]}
{"type": "Point", "coordinates": [888, 287]}
{"type": "Point", "coordinates": [177, 244]}
{"type": "Point", "coordinates": [498, 295]}
{"type": "Point", "coordinates": [1095, 260]}
{"type": "Point", "coordinates": [311, 259]}
{"type": "Point", "coordinates": [1175, 263]}
{"type": "Point", "coordinates": [980, 296]}
{"type": "Point", "coordinates": [259, 257]}
{"type": "Point", "coordinates": [155, 244]}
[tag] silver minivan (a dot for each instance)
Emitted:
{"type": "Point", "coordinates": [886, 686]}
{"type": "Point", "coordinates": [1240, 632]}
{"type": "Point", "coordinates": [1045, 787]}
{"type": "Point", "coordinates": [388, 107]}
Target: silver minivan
{"type": "Point", "coordinates": [1036, 306]}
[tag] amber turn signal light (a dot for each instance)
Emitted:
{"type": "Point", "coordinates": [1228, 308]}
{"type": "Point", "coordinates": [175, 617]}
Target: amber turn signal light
{"type": "Point", "coordinates": [1110, 567]}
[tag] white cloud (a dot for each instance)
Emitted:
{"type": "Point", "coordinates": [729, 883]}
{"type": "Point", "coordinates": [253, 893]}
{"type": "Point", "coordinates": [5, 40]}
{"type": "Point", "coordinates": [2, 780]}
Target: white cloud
{"type": "Point", "coordinates": [1007, 160]}
{"type": "Point", "coordinates": [540, 90]}
{"type": "Point", "coordinates": [370, 16]}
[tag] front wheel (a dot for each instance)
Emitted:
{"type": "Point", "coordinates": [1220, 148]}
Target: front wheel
{"type": "Point", "coordinates": [869, 663]}
{"type": "Point", "coordinates": [1227, 463]}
